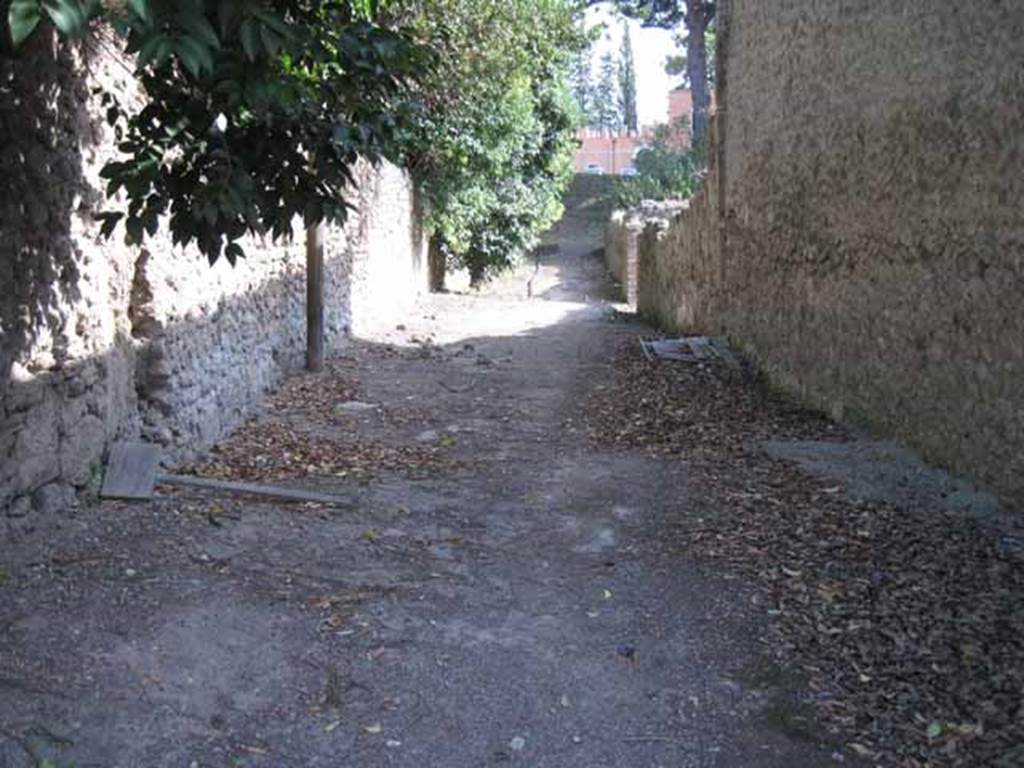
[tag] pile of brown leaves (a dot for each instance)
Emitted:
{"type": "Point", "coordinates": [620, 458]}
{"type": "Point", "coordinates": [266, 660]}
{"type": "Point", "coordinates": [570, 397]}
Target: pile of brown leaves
{"type": "Point", "coordinates": [316, 395]}
{"type": "Point", "coordinates": [271, 450]}
{"type": "Point", "coordinates": [908, 625]}
{"type": "Point", "coordinates": [303, 434]}
{"type": "Point", "coordinates": [695, 411]}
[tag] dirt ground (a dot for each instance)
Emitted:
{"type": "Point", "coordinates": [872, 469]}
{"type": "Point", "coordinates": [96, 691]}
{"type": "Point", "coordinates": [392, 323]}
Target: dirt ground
{"type": "Point", "coordinates": [501, 589]}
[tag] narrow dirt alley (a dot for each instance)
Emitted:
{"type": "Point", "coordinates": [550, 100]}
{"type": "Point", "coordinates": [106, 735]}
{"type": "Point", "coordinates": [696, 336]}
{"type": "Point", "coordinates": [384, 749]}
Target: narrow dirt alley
{"type": "Point", "coordinates": [496, 594]}
{"type": "Point", "coordinates": [503, 589]}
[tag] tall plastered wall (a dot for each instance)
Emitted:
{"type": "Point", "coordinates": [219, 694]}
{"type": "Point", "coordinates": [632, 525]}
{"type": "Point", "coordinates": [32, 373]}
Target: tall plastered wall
{"type": "Point", "coordinates": [100, 340]}
{"type": "Point", "coordinates": [870, 225]}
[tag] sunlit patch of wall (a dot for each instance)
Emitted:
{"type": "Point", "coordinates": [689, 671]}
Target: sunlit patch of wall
{"type": "Point", "coordinates": [861, 231]}
{"type": "Point", "coordinates": [101, 340]}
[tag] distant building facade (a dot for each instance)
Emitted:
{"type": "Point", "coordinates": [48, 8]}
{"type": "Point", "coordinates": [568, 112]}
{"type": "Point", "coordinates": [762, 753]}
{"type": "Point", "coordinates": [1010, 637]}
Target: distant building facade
{"type": "Point", "coordinates": [613, 153]}
{"type": "Point", "coordinates": [680, 117]}
{"type": "Point", "coordinates": [605, 152]}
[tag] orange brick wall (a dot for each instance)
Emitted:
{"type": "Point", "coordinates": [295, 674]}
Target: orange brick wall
{"type": "Point", "coordinates": [612, 152]}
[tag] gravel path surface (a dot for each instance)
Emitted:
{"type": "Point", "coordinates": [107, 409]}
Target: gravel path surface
{"type": "Point", "coordinates": [500, 591]}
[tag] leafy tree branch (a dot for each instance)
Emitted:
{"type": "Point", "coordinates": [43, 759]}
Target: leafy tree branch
{"type": "Point", "coordinates": [254, 111]}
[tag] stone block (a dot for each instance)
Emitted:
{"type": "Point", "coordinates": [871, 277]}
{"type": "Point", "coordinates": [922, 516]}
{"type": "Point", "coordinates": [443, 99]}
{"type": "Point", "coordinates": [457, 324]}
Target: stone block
{"type": "Point", "coordinates": [54, 498]}
{"type": "Point", "coordinates": [20, 506]}
{"type": "Point", "coordinates": [81, 448]}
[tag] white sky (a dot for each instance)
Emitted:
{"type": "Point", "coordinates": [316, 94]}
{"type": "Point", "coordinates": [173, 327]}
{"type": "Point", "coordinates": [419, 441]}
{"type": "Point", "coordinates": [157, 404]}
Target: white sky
{"type": "Point", "coordinates": [650, 49]}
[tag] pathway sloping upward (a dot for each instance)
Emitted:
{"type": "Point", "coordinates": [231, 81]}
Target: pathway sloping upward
{"type": "Point", "coordinates": [501, 593]}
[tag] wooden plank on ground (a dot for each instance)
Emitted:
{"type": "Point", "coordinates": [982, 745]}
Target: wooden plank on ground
{"type": "Point", "coordinates": [131, 471]}
{"type": "Point", "coordinates": [256, 489]}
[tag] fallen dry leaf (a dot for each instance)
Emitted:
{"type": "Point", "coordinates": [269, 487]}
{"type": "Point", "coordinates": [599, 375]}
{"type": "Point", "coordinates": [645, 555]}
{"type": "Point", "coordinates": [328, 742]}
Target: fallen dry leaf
{"type": "Point", "coordinates": [907, 624]}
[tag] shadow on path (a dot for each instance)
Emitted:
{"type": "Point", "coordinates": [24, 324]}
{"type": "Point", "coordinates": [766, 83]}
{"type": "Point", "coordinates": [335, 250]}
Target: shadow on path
{"type": "Point", "coordinates": [514, 603]}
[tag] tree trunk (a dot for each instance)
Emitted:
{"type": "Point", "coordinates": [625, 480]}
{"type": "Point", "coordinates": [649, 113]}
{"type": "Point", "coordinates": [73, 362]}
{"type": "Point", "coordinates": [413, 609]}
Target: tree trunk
{"type": "Point", "coordinates": [436, 265]}
{"type": "Point", "coordinates": [698, 16]}
{"type": "Point", "coordinates": [314, 298]}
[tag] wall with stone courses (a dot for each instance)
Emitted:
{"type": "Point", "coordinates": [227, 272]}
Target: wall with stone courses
{"type": "Point", "coordinates": [622, 238]}
{"type": "Point", "coordinates": [99, 340]}
{"type": "Point", "coordinates": [620, 251]}
{"type": "Point", "coordinates": [679, 265]}
{"type": "Point", "coordinates": [873, 252]}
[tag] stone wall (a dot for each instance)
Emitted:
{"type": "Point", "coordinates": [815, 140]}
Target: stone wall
{"type": "Point", "coordinates": [871, 242]}
{"type": "Point", "coordinates": [620, 240]}
{"type": "Point", "coordinates": [100, 340]}
{"type": "Point", "coordinates": [622, 235]}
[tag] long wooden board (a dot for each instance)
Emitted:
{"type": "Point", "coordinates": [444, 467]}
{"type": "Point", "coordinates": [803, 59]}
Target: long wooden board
{"type": "Point", "coordinates": [256, 489]}
{"type": "Point", "coordinates": [132, 471]}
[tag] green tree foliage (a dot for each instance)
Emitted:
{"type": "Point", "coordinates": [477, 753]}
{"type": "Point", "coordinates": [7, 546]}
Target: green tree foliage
{"type": "Point", "coordinates": [627, 81]}
{"type": "Point", "coordinates": [581, 80]}
{"type": "Point", "coordinates": [610, 103]}
{"type": "Point", "coordinates": [254, 111]}
{"type": "Point", "coordinates": [677, 65]}
{"type": "Point", "coordinates": [494, 145]}
{"type": "Point", "coordinates": [663, 173]}
{"type": "Point", "coordinates": [606, 95]}
{"type": "Point", "coordinates": [696, 16]}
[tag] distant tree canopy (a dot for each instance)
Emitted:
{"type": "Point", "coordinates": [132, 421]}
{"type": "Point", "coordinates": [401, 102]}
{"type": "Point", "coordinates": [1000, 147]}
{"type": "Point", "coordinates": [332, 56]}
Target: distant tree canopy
{"type": "Point", "coordinates": [494, 143]}
{"type": "Point", "coordinates": [581, 82]}
{"type": "Point", "coordinates": [696, 17]}
{"type": "Point", "coordinates": [678, 65]}
{"type": "Point", "coordinates": [254, 112]}
{"type": "Point", "coordinates": [606, 112]}
{"type": "Point", "coordinates": [608, 103]}
{"type": "Point", "coordinates": [627, 82]}
{"type": "Point", "coordinates": [654, 13]}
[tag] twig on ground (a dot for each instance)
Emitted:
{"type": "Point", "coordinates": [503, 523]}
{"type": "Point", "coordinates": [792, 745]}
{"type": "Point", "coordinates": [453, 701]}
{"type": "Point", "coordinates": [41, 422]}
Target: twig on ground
{"type": "Point", "coordinates": [458, 390]}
